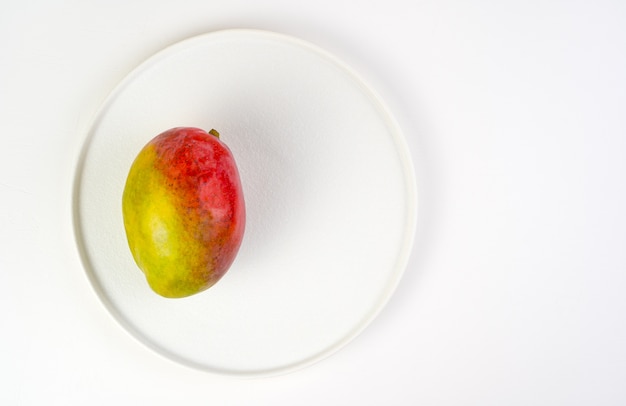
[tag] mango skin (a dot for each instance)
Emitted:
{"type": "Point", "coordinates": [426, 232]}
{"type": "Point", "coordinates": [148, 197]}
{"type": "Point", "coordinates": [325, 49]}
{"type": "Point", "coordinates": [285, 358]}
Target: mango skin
{"type": "Point", "coordinates": [184, 212]}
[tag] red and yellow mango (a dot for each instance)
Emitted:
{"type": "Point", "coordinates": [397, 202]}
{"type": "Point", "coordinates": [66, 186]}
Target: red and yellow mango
{"type": "Point", "coordinates": [184, 212]}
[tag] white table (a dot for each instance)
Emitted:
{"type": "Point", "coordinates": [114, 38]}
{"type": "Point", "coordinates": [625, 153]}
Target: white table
{"type": "Point", "coordinates": [514, 115]}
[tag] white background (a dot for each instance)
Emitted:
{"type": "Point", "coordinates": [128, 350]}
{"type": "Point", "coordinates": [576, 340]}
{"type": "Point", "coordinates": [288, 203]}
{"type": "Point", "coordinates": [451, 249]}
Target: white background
{"type": "Point", "coordinates": [515, 116]}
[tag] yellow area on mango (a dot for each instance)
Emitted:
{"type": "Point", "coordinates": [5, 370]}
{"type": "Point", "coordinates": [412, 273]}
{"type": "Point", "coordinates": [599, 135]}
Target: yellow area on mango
{"type": "Point", "coordinates": [161, 245]}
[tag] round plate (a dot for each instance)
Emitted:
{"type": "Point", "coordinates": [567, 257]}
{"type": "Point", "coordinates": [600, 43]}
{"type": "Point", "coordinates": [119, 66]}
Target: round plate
{"type": "Point", "coordinates": [329, 190]}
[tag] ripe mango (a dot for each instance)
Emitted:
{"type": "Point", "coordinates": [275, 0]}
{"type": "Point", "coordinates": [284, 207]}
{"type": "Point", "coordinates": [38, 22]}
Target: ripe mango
{"type": "Point", "coordinates": [184, 211]}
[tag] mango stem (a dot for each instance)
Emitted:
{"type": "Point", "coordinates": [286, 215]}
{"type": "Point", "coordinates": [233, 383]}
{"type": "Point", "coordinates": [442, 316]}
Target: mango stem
{"type": "Point", "coordinates": [214, 132]}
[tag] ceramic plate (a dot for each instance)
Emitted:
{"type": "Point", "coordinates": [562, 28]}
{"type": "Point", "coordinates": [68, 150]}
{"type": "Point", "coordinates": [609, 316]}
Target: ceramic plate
{"type": "Point", "coordinates": [329, 190]}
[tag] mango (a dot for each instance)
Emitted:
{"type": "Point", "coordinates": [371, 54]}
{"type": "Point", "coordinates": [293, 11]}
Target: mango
{"type": "Point", "coordinates": [184, 212]}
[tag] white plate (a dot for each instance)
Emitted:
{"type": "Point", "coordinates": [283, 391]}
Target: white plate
{"type": "Point", "coordinates": [329, 189]}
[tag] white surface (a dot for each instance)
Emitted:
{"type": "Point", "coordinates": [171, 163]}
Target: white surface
{"type": "Point", "coordinates": [329, 191]}
{"type": "Point", "coordinates": [514, 113]}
